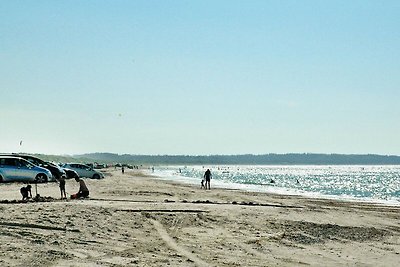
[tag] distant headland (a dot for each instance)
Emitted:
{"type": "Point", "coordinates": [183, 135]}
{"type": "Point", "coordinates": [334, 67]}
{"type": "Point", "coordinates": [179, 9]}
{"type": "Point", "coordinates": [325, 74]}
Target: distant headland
{"type": "Point", "coordinates": [245, 159]}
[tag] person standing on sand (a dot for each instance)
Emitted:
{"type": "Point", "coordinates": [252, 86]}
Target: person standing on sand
{"type": "Point", "coordinates": [207, 177]}
{"type": "Point", "coordinates": [83, 190]}
{"type": "Point", "coordinates": [62, 187]}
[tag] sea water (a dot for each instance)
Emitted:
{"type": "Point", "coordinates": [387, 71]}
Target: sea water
{"type": "Point", "coordinates": [359, 183]}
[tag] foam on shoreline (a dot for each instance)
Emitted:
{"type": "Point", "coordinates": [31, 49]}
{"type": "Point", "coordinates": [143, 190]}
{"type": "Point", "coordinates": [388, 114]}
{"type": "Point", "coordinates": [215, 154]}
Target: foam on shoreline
{"type": "Point", "coordinates": [173, 175]}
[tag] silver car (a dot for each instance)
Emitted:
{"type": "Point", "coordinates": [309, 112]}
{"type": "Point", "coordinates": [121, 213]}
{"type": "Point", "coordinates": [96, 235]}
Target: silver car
{"type": "Point", "coordinates": [84, 170]}
{"type": "Point", "coordinates": [18, 169]}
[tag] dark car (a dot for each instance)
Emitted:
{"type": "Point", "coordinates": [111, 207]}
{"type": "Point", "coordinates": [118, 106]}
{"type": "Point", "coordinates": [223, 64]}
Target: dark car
{"type": "Point", "coordinates": [71, 174]}
{"type": "Point", "coordinates": [55, 170]}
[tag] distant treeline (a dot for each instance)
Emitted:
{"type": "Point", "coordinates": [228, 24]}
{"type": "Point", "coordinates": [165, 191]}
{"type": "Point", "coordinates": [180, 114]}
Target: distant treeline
{"type": "Point", "coordinates": [267, 159]}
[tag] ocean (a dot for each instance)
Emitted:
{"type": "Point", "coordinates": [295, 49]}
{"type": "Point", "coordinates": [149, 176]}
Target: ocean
{"type": "Point", "coordinates": [378, 183]}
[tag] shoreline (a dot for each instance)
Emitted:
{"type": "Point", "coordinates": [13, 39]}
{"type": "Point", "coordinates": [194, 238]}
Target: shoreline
{"type": "Point", "coordinates": [134, 219]}
{"type": "Point", "coordinates": [282, 191]}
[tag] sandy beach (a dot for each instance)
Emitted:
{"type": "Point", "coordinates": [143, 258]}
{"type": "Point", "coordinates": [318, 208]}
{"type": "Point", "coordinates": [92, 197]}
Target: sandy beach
{"type": "Point", "coordinates": [133, 219]}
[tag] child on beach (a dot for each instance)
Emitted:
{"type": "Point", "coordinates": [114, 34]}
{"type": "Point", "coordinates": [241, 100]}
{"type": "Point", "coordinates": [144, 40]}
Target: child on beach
{"type": "Point", "coordinates": [62, 187]}
{"type": "Point", "coordinates": [26, 192]}
{"type": "Point", "coordinates": [202, 185]}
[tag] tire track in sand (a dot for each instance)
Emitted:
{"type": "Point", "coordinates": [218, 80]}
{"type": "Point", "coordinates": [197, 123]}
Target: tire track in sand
{"type": "Point", "coordinates": [172, 244]}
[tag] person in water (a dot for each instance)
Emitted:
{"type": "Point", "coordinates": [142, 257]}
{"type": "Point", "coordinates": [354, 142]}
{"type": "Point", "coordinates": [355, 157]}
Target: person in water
{"type": "Point", "coordinates": [207, 177]}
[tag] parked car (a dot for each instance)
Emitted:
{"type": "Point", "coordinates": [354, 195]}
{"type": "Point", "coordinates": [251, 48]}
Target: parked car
{"type": "Point", "coordinates": [84, 170]}
{"type": "Point", "coordinates": [18, 169]}
{"type": "Point", "coordinates": [99, 166]}
{"type": "Point", "coordinates": [70, 173]}
{"type": "Point", "coordinates": [55, 170]}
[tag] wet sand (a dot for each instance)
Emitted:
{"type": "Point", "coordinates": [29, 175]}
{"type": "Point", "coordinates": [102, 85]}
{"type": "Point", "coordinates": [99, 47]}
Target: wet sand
{"type": "Point", "coordinates": [133, 219]}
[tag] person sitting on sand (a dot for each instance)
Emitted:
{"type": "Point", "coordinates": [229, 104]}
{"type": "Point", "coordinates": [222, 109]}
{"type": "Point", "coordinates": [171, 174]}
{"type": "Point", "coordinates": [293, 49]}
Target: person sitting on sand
{"type": "Point", "coordinates": [207, 176]}
{"type": "Point", "coordinates": [83, 190]}
{"type": "Point", "coordinates": [26, 192]}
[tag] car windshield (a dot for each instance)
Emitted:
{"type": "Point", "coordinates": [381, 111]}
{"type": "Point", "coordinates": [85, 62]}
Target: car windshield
{"type": "Point", "coordinates": [24, 163]}
{"type": "Point", "coordinates": [34, 161]}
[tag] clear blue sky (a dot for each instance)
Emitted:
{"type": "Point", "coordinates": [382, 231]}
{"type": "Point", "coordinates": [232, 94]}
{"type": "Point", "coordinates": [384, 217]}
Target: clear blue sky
{"type": "Point", "coordinates": [200, 77]}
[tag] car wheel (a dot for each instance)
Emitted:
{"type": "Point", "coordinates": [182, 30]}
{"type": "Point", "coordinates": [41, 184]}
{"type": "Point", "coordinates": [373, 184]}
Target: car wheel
{"type": "Point", "coordinates": [41, 178]}
{"type": "Point", "coordinates": [96, 176]}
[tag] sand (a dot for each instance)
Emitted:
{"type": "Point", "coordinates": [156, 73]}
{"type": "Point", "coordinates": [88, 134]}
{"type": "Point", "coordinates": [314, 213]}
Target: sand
{"type": "Point", "coordinates": [133, 219]}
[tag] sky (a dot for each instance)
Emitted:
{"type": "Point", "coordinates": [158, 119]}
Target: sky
{"type": "Point", "coordinates": [187, 77]}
